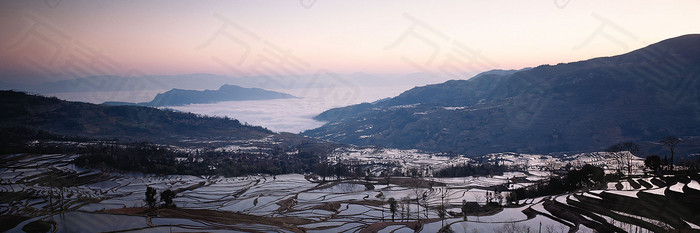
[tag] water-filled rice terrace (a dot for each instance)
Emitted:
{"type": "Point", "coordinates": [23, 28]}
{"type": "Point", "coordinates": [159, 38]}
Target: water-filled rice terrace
{"type": "Point", "coordinates": [48, 191]}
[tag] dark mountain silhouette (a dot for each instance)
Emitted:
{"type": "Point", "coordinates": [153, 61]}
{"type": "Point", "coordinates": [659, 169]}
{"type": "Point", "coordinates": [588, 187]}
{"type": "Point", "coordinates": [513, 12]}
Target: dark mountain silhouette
{"type": "Point", "coordinates": [645, 94]}
{"type": "Point", "coordinates": [176, 97]}
{"type": "Point", "coordinates": [125, 123]}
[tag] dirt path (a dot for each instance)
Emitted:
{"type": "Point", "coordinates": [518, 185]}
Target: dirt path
{"type": "Point", "coordinates": [417, 226]}
{"type": "Point", "coordinates": [231, 218]}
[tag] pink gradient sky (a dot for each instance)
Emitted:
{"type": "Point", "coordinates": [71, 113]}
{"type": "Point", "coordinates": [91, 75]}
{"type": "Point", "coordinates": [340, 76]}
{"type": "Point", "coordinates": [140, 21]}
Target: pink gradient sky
{"type": "Point", "coordinates": [452, 39]}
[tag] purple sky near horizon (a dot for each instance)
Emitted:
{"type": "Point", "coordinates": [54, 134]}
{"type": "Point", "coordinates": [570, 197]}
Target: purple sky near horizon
{"type": "Point", "coordinates": [61, 39]}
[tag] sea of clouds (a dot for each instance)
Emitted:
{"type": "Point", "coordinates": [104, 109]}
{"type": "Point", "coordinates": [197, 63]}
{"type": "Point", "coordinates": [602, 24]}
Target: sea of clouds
{"type": "Point", "coordinates": [293, 115]}
{"type": "Point", "coordinates": [280, 115]}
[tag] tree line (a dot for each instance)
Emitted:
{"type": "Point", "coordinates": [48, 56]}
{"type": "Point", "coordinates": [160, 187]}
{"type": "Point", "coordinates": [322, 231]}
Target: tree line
{"type": "Point", "coordinates": [624, 153]}
{"type": "Point", "coordinates": [150, 158]}
{"type": "Point", "coordinates": [166, 197]}
{"type": "Point", "coordinates": [463, 170]}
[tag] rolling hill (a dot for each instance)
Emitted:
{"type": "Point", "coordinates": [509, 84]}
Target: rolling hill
{"type": "Point", "coordinates": [125, 123]}
{"type": "Point", "coordinates": [642, 95]}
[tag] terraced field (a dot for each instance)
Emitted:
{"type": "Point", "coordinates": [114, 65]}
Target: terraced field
{"type": "Point", "coordinates": [48, 191]}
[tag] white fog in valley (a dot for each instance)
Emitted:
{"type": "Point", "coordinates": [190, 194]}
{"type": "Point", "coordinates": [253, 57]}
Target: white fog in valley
{"type": "Point", "coordinates": [279, 115]}
{"type": "Point", "coordinates": [293, 115]}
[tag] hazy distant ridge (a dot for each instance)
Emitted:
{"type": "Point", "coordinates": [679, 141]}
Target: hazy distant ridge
{"type": "Point", "coordinates": [176, 97]}
{"type": "Point", "coordinates": [111, 83]}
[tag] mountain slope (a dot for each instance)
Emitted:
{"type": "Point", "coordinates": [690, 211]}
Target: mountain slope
{"type": "Point", "coordinates": [450, 93]}
{"type": "Point", "coordinates": [177, 97]}
{"type": "Point", "coordinates": [126, 123]}
{"type": "Point", "coordinates": [642, 95]}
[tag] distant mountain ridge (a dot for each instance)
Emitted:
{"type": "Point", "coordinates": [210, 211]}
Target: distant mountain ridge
{"type": "Point", "coordinates": [177, 97]}
{"type": "Point", "coordinates": [645, 94]}
{"type": "Point", "coordinates": [113, 83]}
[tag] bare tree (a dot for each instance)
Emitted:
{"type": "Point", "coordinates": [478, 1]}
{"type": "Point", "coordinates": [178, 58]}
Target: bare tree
{"type": "Point", "coordinates": [464, 209]}
{"type": "Point", "coordinates": [425, 197]}
{"type": "Point", "coordinates": [381, 196]}
{"type": "Point", "coordinates": [671, 142]}
{"type": "Point", "coordinates": [387, 177]}
{"type": "Point", "coordinates": [442, 209]}
{"type": "Point", "coordinates": [527, 164]}
{"type": "Point", "coordinates": [632, 149]}
{"type": "Point", "coordinates": [418, 194]}
{"type": "Point", "coordinates": [653, 162]}
{"type": "Point", "coordinates": [499, 197]}
{"type": "Point", "coordinates": [477, 198]}
{"type": "Point", "coordinates": [616, 152]}
{"type": "Point", "coordinates": [402, 205]}
{"type": "Point", "coordinates": [407, 203]}
{"type": "Point", "coordinates": [392, 207]}
{"type": "Point", "coordinates": [151, 197]}
{"type": "Point", "coordinates": [512, 227]}
{"type": "Point", "coordinates": [167, 198]}
{"type": "Point", "coordinates": [550, 165]}
{"type": "Point", "coordinates": [550, 229]}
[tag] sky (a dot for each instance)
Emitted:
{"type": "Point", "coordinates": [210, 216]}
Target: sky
{"type": "Point", "coordinates": [47, 40]}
